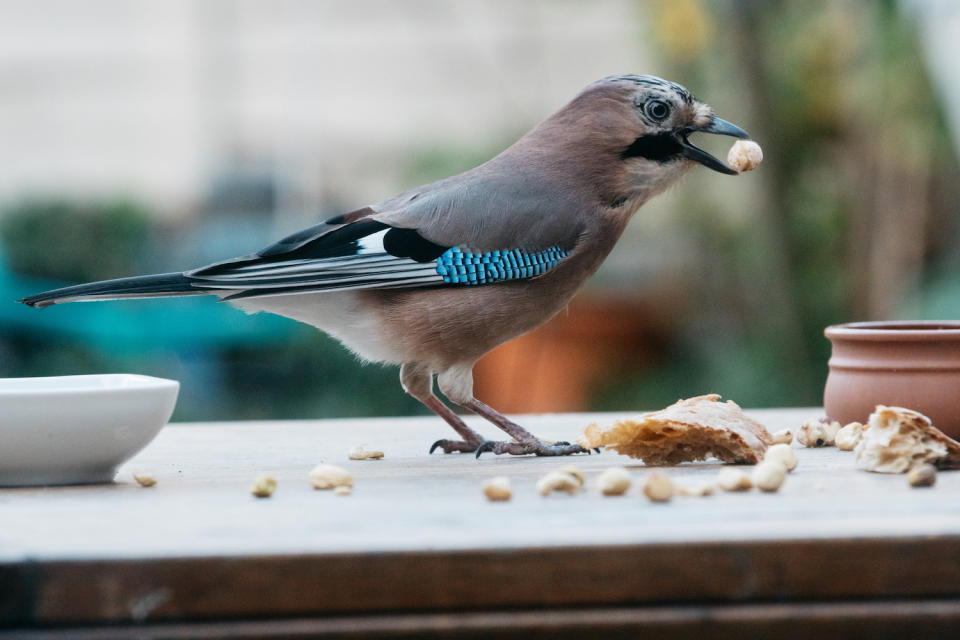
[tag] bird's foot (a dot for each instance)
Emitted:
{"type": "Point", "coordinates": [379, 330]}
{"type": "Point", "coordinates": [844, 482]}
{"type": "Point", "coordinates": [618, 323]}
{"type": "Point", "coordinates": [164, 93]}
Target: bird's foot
{"type": "Point", "coordinates": [536, 447]}
{"type": "Point", "coordinates": [449, 446]}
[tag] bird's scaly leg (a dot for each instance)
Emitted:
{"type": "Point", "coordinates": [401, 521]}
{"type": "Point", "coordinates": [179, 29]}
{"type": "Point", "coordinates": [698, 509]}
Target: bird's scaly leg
{"type": "Point", "coordinates": [418, 382]}
{"type": "Point", "coordinates": [457, 384]}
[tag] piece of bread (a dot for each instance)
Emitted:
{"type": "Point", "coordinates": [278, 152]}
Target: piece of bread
{"type": "Point", "coordinates": [693, 429]}
{"type": "Point", "coordinates": [898, 439]}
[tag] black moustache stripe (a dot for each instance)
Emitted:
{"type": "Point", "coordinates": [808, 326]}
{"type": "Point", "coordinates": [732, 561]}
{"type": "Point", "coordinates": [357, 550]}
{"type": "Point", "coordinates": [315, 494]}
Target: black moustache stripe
{"type": "Point", "coordinates": [661, 147]}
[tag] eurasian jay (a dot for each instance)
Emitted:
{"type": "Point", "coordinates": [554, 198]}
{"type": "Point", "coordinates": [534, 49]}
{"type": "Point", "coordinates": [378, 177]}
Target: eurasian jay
{"type": "Point", "coordinates": [434, 278]}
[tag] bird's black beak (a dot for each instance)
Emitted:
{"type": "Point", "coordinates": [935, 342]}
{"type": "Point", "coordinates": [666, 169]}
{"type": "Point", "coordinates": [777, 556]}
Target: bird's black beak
{"type": "Point", "coordinates": [695, 153]}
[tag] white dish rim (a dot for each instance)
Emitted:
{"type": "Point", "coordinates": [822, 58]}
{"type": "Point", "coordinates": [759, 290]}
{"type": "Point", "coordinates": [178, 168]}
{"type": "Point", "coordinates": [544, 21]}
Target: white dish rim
{"type": "Point", "coordinates": [73, 385]}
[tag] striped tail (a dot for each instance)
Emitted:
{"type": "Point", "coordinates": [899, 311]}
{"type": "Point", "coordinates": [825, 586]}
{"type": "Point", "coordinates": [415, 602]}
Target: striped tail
{"type": "Point", "coordinates": [161, 285]}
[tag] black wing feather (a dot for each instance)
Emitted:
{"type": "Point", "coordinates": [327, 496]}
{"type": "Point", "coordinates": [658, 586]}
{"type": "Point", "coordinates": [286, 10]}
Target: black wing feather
{"type": "Point", "coordinates": [324, 257]}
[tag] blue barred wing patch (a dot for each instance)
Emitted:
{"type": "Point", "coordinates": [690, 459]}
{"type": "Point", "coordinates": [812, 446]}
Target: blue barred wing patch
{"type": "Point", "coordinates": [456, 266]}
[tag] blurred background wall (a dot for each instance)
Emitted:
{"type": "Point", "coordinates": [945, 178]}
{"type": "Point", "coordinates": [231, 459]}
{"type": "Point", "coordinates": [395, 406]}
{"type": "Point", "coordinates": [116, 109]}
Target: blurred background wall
{"type": "Point", "coordinates": [141, 136]}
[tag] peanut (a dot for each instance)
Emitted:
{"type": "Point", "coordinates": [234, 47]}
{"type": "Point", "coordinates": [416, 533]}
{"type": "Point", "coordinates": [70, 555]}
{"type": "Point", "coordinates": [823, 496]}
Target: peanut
{"type": "Point", "coordinates": [359, 453]}
{"type": "Point", "coordinates": [144, 478]}
{"type": "Point", "coordinates": [768, 476]}
{"type": "Point", "coordinates": [733, 480]}
{"type": "Point", "coordinates": [263, 486]}
{"type": "Point", "coordinates": [782, 453]}
{"type": "Point", "coordinates": [497, 489]}
{"type": "Point", "coordinates": [745, 155]}
{"type": "Point", "coordinates": [922, 475]}
{"type": "Point", "coordinates": [558, 481]}
{"type": "Point", "coordinates": [328, 476]}
{"type": "Point", "coordinates": [784, 436]}
{"type": "Point", "coordinates": [615, 481]}
{"type": "Point", "coordinates": [658, 488]}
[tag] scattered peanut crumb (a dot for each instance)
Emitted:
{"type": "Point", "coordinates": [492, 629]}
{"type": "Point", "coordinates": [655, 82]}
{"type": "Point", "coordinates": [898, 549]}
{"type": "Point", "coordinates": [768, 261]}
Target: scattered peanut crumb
{"type": "Point", "coordinates": [744, 155]}
{"type": "Point", "coordinates": [343, 490]}
{"type": "Point", "coordinates": [815, 433]}
{"type": "Point", "coordinates": [922, 475]}
{"type": "Point", "coordinates": [497, 489]}
{"type": "Point", "coordinates": [145, 478]}
{"type": "Point", "coordinates": [695, 490]}
{"type": "Point", "coordinates": [558, 481]}
{"type": "Point", "coordinates": [849, 436]}
{"type": "Point", "coordinates": [783, 454]}
{"type": "Point", "coordinates": [615, 481]}
{"type": "Point", "coordinates": [768, 475]}
{"type": "Point", "coordinates": [328, 476]}
{"type": "Point", "coordinates": [359, 453]}
{"type": "Point", "coordinates": [658, 487]}
{"type": "Point", "coordinates": [575, 472]}
{"type": "Point", "coordinates": [784, 436]}
{"type": "Point", "coordinates": [263, 486]}
{"type": "Point", "coordinates": [733, 480]}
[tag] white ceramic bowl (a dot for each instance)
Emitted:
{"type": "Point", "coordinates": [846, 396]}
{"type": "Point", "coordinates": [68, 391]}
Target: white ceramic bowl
{"type": "Point", "coordinates": [78, 429]}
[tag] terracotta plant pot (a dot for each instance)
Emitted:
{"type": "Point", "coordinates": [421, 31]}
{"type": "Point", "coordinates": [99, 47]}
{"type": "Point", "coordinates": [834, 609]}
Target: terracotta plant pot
{"type": "Point", "coordinates": [906, 364]}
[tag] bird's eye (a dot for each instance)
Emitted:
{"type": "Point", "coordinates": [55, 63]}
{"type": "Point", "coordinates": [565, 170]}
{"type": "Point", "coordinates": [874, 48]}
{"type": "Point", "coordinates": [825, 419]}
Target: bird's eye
{"type": "Point", "coordinates": [657, 109]}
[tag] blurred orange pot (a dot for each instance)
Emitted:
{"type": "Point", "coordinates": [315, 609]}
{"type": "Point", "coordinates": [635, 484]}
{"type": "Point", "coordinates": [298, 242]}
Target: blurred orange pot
{"type": "Point", "coordinates": [915, 365]}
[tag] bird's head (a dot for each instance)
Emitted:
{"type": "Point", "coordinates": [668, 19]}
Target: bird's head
{"type": "Point", "coordinates": [635, 129]}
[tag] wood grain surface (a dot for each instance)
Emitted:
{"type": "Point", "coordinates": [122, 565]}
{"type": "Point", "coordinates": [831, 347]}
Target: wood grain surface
{"type": "Point", "coordinates": [418, 540]}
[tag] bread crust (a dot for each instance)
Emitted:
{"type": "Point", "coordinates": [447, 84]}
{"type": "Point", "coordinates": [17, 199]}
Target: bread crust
{"type": "Point", "coordinates": [688, 430]}
{"type": "Point", "coordinates": [897, 439]}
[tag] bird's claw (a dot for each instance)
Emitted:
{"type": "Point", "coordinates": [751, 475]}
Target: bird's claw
{"type": "Point", "coordinates": [449, 446]}
{"type": "Point", "coordinates": [535, 447]}
{"type": "Point", "coordinates": [486, 446]}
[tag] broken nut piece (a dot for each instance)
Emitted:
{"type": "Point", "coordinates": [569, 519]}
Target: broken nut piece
{"type": "Point", "coordinates": [144, 478]}
{"type": "Point", "coordinates": [922, 475]}
{"type": "Point", "coordinates": [695, 490]}
{"type": "Point", "coordinates": [497, 489]}
{"type": "Point", "coordinates": [328, 476]}
{"type": "Point", "coordinates": [575, 472]}
{"type": "Point", "coordinates": [615, 481]}
{"type": "Point", "coordinates": [558, 481]}
{"type": "Point", "coordinates": [658, 487]}
{"type": "Point", "coordinates": [734, 480]}
{"type": "Point", "coordinates": [744, 155]}
{"type": "Point", "coordinates": [782, 453]}
{"type": "Point", "coordinates": [784, 436]}
{"type": "Point", "coordinates": [264, 486]}
{"type": "Point", "coordinates": [769, 475]}
{"type": "Point", "coordinates": [359, 453]}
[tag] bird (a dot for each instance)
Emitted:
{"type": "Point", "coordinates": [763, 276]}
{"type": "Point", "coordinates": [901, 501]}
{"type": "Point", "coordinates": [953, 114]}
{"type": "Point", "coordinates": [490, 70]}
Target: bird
{"type": "Point", "coordinates": [435, 277]}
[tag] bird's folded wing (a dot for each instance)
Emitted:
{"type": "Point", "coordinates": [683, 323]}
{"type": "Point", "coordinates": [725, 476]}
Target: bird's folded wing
{"type": "Point", "coordinates": [366, 254]}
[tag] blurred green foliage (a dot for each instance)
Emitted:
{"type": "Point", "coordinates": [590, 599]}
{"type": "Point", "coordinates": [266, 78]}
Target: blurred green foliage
{"type": "Point", "coordinates": [74, 242]}
{"type": "Point", "coordinates": [311, 376]}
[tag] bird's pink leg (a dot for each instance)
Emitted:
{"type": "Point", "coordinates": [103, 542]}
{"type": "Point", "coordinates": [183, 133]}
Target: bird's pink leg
{"type": "Point", "coordinates": [457, 384]}
{"type": "Point", "coordinates": [526, 442]}
{"type": "Point", "coordinates": [418, 382]}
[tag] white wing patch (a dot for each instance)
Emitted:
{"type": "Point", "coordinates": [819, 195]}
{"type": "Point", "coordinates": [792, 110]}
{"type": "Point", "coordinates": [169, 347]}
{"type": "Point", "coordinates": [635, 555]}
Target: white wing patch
{"type": "Point", "coordinates": [372, 243]}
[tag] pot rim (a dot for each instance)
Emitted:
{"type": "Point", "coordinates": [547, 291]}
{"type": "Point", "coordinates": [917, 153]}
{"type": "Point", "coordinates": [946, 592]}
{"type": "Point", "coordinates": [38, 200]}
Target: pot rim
{"type": "Point", "coordinates": [896, 330]}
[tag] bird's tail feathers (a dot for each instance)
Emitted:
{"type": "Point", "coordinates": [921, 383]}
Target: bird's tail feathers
{"type": "Point", "coordinates": [161, 285]}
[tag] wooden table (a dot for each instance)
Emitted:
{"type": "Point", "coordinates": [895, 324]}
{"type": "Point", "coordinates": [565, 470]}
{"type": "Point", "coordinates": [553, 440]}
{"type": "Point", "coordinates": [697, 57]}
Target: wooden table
{"type": "Point", "coordinates": [417, 551]}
